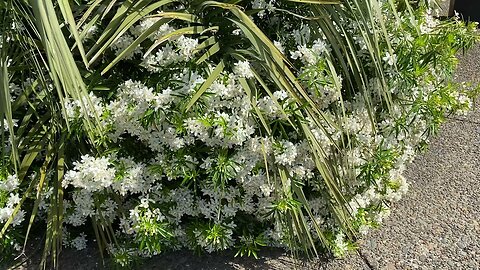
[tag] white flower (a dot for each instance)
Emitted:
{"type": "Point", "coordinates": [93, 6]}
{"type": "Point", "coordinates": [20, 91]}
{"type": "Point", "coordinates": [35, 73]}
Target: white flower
{"type": "Point", "coordinates": [400, 186]}
{"type": "Point", "coordinates": [196, 127]}
{"type": "Point", "coordinates": [10, 183]}
{"type": "Point", "coordinates": [266, 189]}
{"type": "Point", "coordinates": [122, 43]}
{"type": "Point", "coordinates": [90, 173]}
{"type": "Point", "coordinates": [82, 108]}
{"type": "Point", "coordinates": [79, 242]}
{"type": "Point", "coordinates": [18, 218]}
{"type": "Point", "coordinates": [302, 35]}
{"type": "Point", "coordinates": [5, 214]}
{"type": "Point", "coordinates": [135, 178]}
{"type": "Point", "coordinates": [465, 102]}
{"type": "Point", "coordinates": [340, 246]}
{"type": "Point", "coordinates": [162, 58]}
{"type": "Point", "coordinates": [143, 26]}
{"type": "Point", "coordinates": [236, 32]}
{"type": "Point", "coordinates": [319, 46]}
{"type": "Point", "coordinates": [261, 5]}
{"type": "Point", "coordinates": [186, 46]}
{"type": "Point", "coordinates": [429, 24]}
{"type": "Point", "coordinates": [90, 32]}
{"type": "Point", "coordinates": [286, 154]}
{"type": "Point", "coordinates": [13, 200]}
{"type": "Point", "coordinates": [242, 69]}
{"type": "Point", "coordinates": [146, 24]}
{"type": "Point", "coordinates": [280, 95]}
{"type": "Point", "coordinates": [309, 56]}
{"type": "Point", "coordinates": [279, 46]}
{"type": "Point", "coordinates": [390, 59]}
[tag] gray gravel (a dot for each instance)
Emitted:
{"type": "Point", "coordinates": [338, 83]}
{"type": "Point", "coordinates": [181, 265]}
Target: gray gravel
{"type": "Point", "coordinates": [444, 5]}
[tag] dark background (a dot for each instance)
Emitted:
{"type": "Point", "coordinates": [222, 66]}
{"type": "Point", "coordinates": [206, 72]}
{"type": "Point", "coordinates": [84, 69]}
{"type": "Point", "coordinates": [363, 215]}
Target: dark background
{"type": "Point", "coordinates": [469, 9]}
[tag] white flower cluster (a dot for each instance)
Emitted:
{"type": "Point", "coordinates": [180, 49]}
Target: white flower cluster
{"type": "Point", "coordinates": [310, 56]}
{"type": "Point", "coordinates": [264, 7]}
{"type": "Point", "coordinates": [340, 247]}
{"type": "Point", "coordinates": [83, 108]}
{"type": "Point", "coordinates": [9, 199]}
{"type": "Point", "coordinates": [175, 51]}
{"type": "Point", "coordinates": [286, 153]}
{"type": "Point", "coordinates": [10, 184]}
{"type": "Point", "coordinates": [122, 43]}
{"type": "Point", "coordinates": [79, 242]}
{"type": "Point", "coordinates": [242, 69]}
{"type": "Point", "coordinates": [90, 174]}
{"type": "Point", "coordinates": [225, 123]}
{"type": "Point", "coordinates": [146, 24]}
{"type": "Point", "coordinates": [429, 23]}
{"type": "Point", "coordinates": [390, 59]}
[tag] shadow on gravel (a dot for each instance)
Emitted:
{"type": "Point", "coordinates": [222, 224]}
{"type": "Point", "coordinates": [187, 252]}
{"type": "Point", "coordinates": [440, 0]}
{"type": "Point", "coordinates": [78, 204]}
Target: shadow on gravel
{"type": "Point", "coordinates": [269, 258]}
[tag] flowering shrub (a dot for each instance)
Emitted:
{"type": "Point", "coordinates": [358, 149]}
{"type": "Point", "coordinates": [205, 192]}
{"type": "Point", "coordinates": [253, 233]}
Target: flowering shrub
{"type": "Point", "coordinates": [212, 149]}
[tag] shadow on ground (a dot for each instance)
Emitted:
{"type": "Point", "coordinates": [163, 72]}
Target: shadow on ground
{"type": "Point", "coordinates": [269, 258]}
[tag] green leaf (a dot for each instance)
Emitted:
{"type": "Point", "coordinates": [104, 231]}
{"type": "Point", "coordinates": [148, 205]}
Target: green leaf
{"type": "Point", "coordinates": [127, 15]}
{"type": "Point", "coordinates": [211, 78]}
{"type": "Point", "coordinates": [191, 30]}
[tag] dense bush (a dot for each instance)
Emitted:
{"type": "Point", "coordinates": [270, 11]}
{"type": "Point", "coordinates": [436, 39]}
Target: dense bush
{"type": "Point", "coordinates": [212, 126]}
